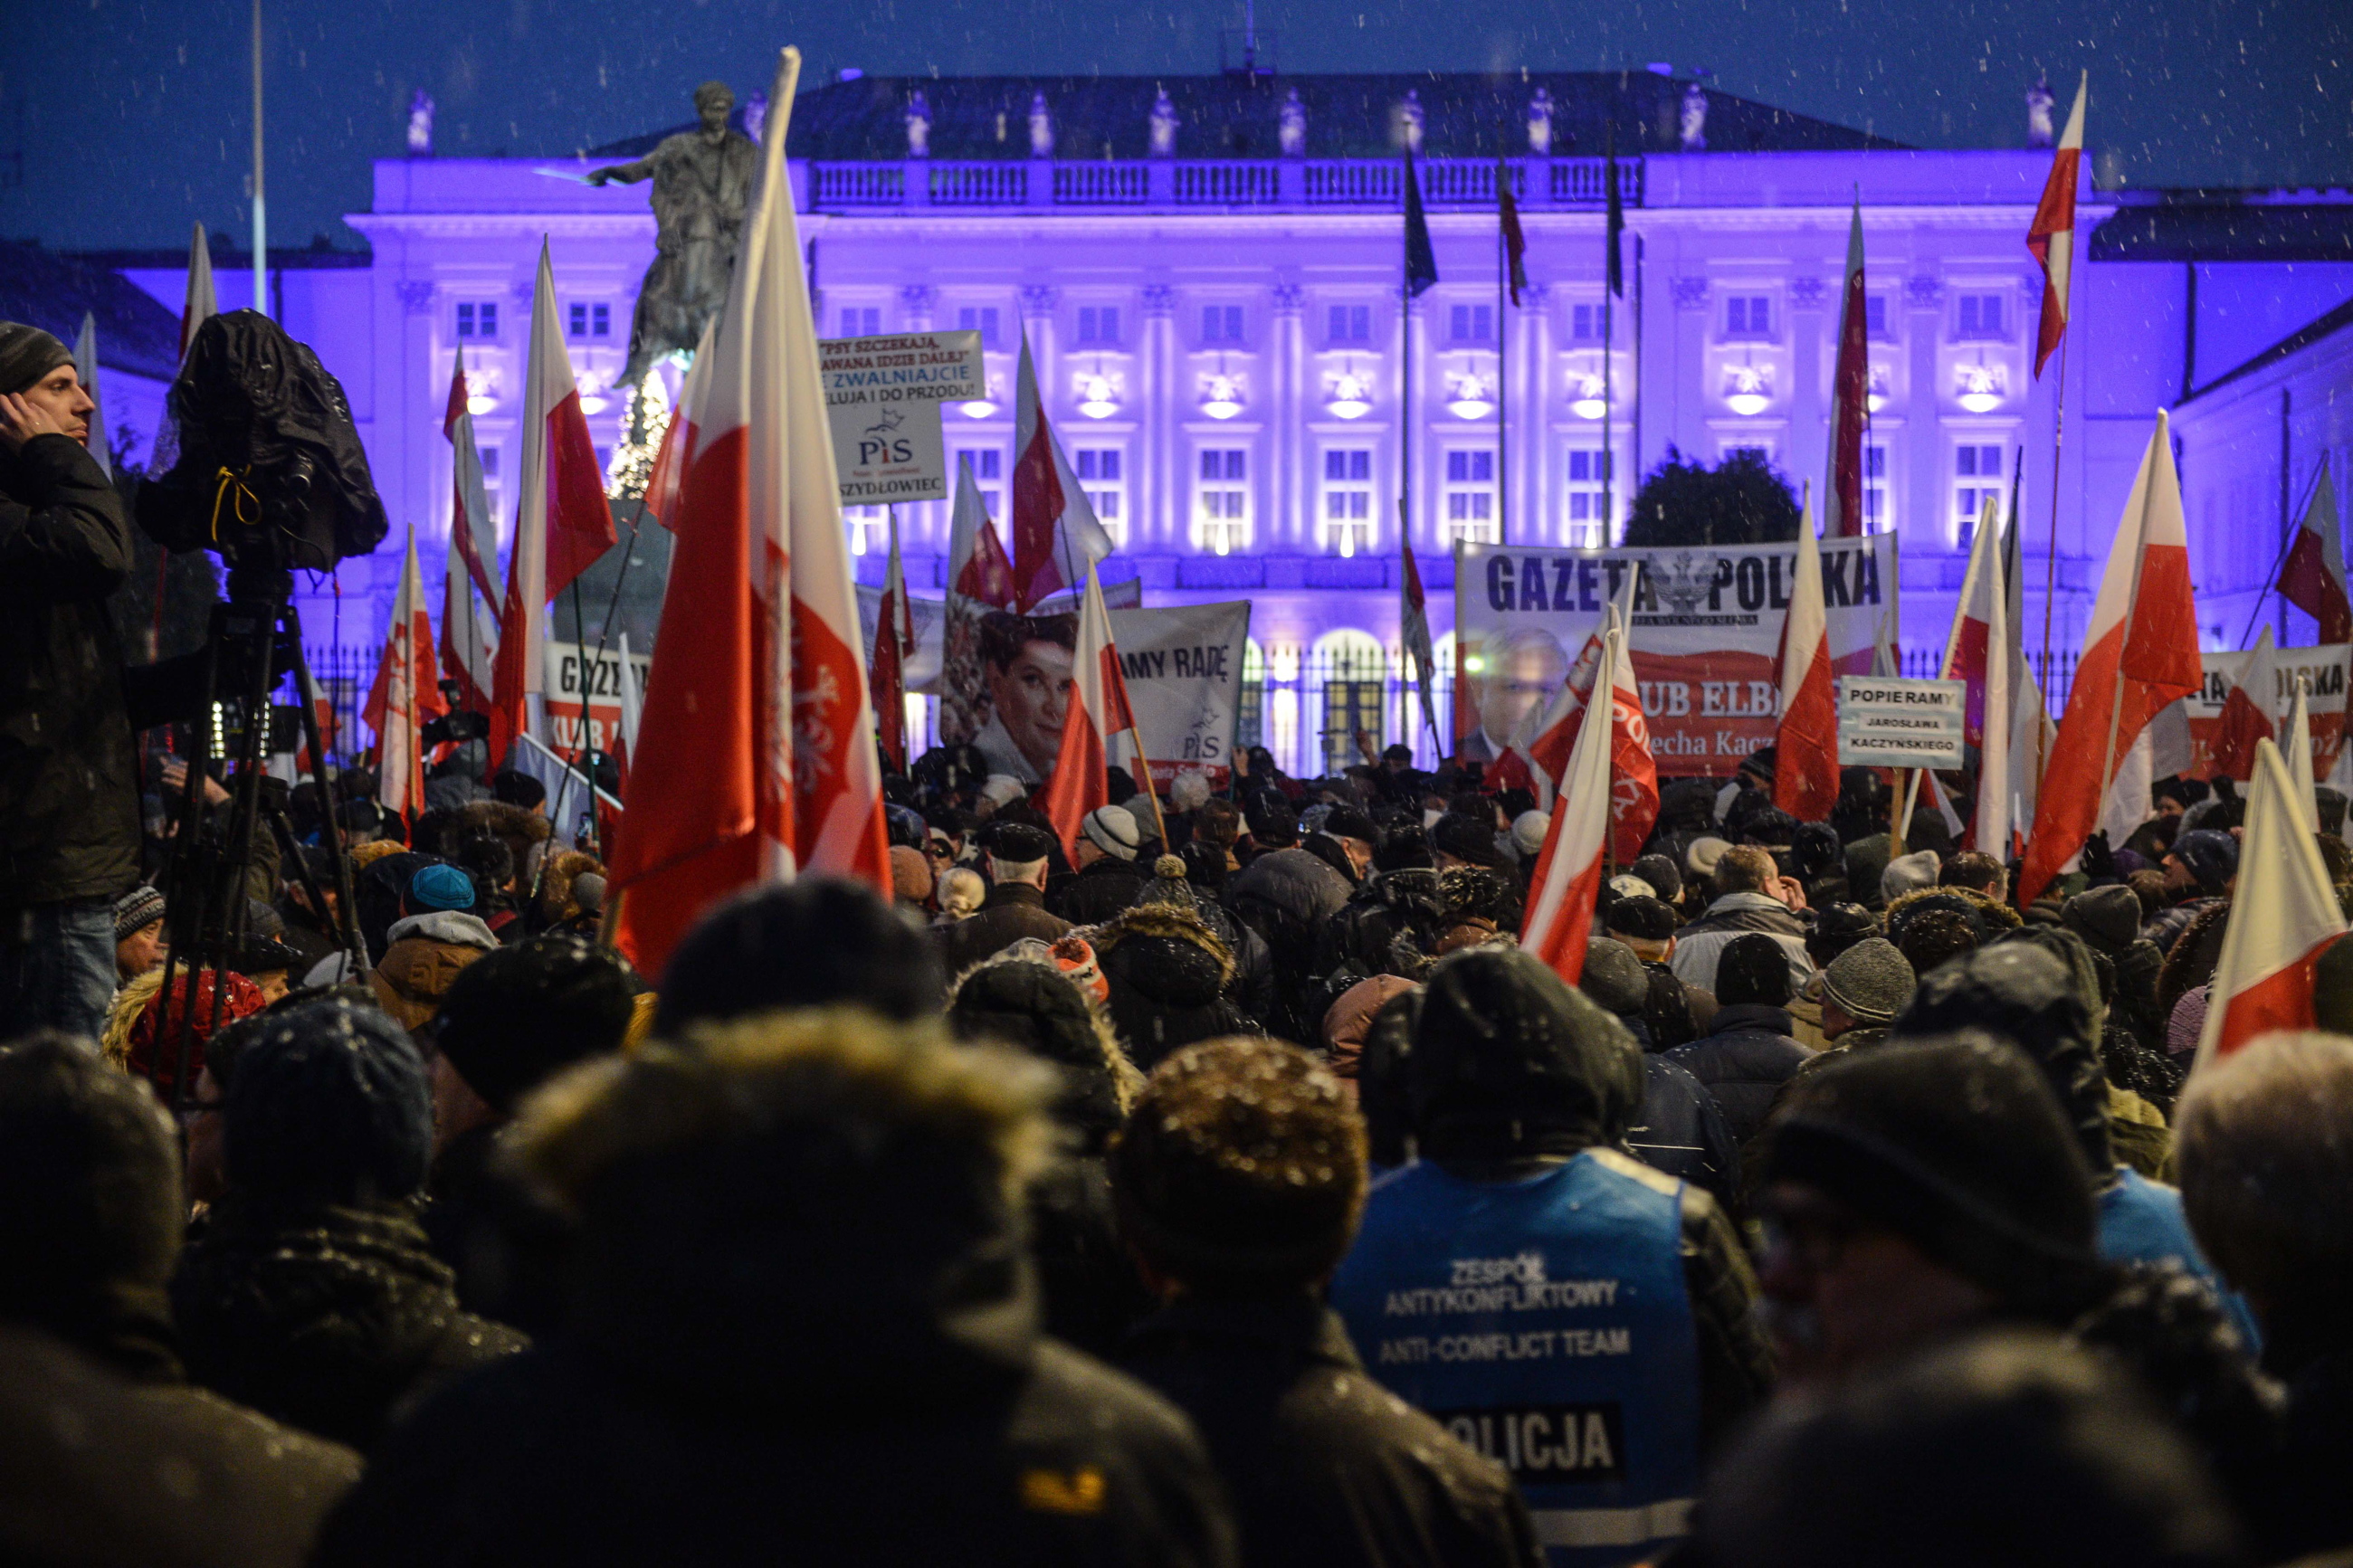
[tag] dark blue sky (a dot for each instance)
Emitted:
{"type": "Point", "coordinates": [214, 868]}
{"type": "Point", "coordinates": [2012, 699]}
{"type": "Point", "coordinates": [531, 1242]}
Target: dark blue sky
{"type": "Point", "coordinates": [131, 117]}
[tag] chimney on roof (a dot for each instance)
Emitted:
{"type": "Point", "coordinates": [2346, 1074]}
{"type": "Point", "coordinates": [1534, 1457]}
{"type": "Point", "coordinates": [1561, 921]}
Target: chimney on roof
{"type": "Point", "coordinates": [1540, 124]}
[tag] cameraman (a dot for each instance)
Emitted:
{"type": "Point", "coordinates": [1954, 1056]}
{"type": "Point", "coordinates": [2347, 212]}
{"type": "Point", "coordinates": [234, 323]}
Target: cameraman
{"type": "Point", "coordinates": [69, 794]}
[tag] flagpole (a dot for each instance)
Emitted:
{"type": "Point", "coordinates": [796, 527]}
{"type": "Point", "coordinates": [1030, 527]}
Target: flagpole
{"type": "Point", "coordinates": [2271, 580]}
{"type": "Point", "coordinates": [2051, 564]}
{"type": "Point", "coordinates": [260, 219]}
{"type": "Point", "coordinates": [1502, 365]}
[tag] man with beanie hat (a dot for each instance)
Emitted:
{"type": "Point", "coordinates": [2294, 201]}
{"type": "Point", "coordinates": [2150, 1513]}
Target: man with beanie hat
{"type": "Point", "coordinates": [111, 1459]}
{"type": "Point", "coordinates": [1863, 990]}
{"type": "Point", "coordinates": [2198, 871]}
{"type": "Point", "coordinates": [1015, 907]}
{"type": "Point", "coordinates": [69, 828]}
{"type": "Point", "coordinates": [1915, 1190]}
{"type": "Point", "coordinates": [1240, 1181]}
{"type": "Point", "coordinates": [139, 942]}
{"type": "Point", "coordinates": [510, 1023]}
{"type": "Point", "coordinates": [2108, 919]}
{"type": "Point", "coordinates": [311, 1295]}
{"type": "Point", "coordinates": [2016, 991]}
{"type": "Point", "coordinates": [808, 943]}
{"type": "Point", "coordinates": [1747, 1054]}
{"type": "Point", "coordinates": [1604, 1308]}
{"type": "Point", "coordinates": [1105, 880]}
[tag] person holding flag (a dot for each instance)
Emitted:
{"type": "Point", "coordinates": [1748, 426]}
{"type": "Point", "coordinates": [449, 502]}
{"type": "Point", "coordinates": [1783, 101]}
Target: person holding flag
{"type": "Point", "coordinates": [2140, 655]}
{"type": "Point", "coordinates": [1098, 710]}
{"type": "Point", "coordinates": [757, 700]}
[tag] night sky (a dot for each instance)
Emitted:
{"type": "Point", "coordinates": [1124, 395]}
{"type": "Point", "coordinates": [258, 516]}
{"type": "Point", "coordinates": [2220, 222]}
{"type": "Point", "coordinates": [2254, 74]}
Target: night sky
{"type": "Point", "coordinates": [121, 120]}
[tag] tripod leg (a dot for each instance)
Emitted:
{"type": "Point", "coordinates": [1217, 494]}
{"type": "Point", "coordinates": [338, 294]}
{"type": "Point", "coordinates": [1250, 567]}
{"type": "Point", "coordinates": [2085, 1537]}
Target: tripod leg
{"type": "Point", "coordinates": [347, 911]}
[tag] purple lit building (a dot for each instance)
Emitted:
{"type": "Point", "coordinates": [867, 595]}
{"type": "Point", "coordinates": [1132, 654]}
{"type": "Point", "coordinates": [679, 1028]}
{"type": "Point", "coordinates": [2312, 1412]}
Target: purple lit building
{"type": "Point", "coordinates": [1208, 268]}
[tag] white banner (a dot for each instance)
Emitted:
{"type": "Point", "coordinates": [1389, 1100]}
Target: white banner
{"type": "Point", "coordinates": [1184, 672]}
{"type": "Point", "coordinates": [883, 398]}
{"type": "Point", "coordinates": [1889, 723]}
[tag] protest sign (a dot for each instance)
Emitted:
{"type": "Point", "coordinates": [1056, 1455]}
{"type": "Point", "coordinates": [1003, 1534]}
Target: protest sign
{"type": "Point", "coordinates": [1705, 630]}
{"type": "Point", "coordinates": [2326, 667]}
{"type": "Point", "coordinates": [1184, 672]}
{"type": "Point", "coordinates": [883, 398]}
{"type": "Point", "coordinates": [1886, 724]}
{"type": "Point", "coordinates": [567, 664]}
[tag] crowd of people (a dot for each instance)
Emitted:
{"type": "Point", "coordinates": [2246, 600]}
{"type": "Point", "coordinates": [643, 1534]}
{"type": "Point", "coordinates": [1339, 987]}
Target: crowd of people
{"type": "Point", "coordinates": [1224, 1185]}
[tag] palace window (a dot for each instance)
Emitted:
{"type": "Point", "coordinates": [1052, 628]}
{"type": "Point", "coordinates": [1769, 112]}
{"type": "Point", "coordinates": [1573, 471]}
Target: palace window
{"type": "Point", "coordinates": [1221, 500]}
{"type": "Point", "coordinates": [1748, 318]}
{"type": "Point", "coordinates": [477, 319]}
{"type": "Point", "coordinates": [981, 319]}
{"type": "Point", "coordinates": [1350, 324]}
{"type": "Point", "coordinates": [1588, 471]}
{"type": "Point", "coordinates": [1346, 505]}
{"type": "Point", "coordinates": [860, 322]}
{"type": "Point", "coordinates": [585, 320]}
{"type": "Point", "coordinates": [1469, 495]}
{"type": "Point", "coordinates": [1471, 324]}
{"type": "Point", "coordinates": [1099, 325]}
{"type": "Point", "coordinates": [1221, 323]}
{"type": "Point", "coordinates": [988, 468]}
{"type": "Point", "coordinates": [1977, 479]}
{"type": "Point", "coordinates": [1099, 471]}
{"type": "Point", "coordinates": [1981, 317]}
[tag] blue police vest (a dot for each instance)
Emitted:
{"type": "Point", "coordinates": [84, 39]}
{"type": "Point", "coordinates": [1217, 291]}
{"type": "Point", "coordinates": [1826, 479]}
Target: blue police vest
{"type": "Point", "coordinates": [2141, 1222]}
{"type": "Point", "coordinates": [1545, 1322]}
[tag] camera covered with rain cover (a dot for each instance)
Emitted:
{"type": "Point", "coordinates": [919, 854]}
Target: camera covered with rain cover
{"type": "Point", "coordinates": [271, 472]}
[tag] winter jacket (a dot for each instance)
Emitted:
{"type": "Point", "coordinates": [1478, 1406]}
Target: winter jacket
{"type": "Point", "coordinates": [68, 781]}
{"type": "Point", "coordinates": [101, 1469]}
{"type": "Point", "coordinates": [2163, 929]}
{"type": "Point", "coordinates": [1168, 974]}
{"type": "Point", "coordinates": [1324, 1469]}
{"type": "Point", "coordinates": [1699, 944]}
{"type": "Point", "coordinates": [1286, 895]}
{"type": "Point", "coordinates": [326, 1317]}
{"type": "Point", "coordinates": [1681, 1132]}
{"type": "Point", "coordinates": [509, 1252]}
{"type": "Point", "coordinates": [1011, 911]}
{"type": "Point", "coordinates": [724, 1409]}
{"type": "Point", "coordinates": [1094, 894]}
{"type": "Point", "coordinates": [1743, 1060]}
{"type": "Point", "coordinates": [422, 959]}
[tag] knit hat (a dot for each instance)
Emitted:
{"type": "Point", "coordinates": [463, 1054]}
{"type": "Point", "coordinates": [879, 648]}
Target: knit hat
{"type": "Point", "coordinates": [1753, 969]}
{"type": "Point", "coordinates": [1244, 1164]}
{"type": "Point", "coordinates": [440, 887]}
{"type": "Point", "coordinates": [520, 1015]}
{"type": "Point", "coordinates": [1761, 762]}
{"type": "Point", "coordinates": [1703, 853]}
{"type": "Point", "coordinates": [1347, 822]}
{"type": "Point", "coordinates": [330, 1103]}
{"type": "Point", "coordinates": [2188, 1022]}
{"type": "Point", "coordinates": [1467, 838]}
{"type": "Point", "coordinates": [2213, 858]}
{"type": "Point", "coordinates": [135, 910]}
{"type": "Point", "coordinates": [1529, 830]}
{"type": "Point", "coordinates": [1659, 871]}
{"type": "Point", "coordinates": [911, 875]}
{"type": "Point", "coordinates": [808, 943]}
{"type": "Point", "coordinates": [1871, 982]}
{"type": "Point", "coordinates": [27, 354]}
{"type": "Point", "coordinates": [1112, 829]}
{"type": "Point", "coordinates": [1076, 959]}
{"type": "Point", "coordinates": [2109, 918]}
{"type": "Point", "coordinates": [1957, 1144]}
{"type": "Point", "coordinates": [1908, 874]}
{"type": "Point", "coordinates": [1614, 977]}
{"type": "Point", "coordinates": [1644, 919]}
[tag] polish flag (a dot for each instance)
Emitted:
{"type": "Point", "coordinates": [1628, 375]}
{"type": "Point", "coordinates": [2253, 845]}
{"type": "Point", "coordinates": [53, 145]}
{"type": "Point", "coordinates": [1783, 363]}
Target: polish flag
{"type": "Point", "coordinates": [2140, 655]}
{"type": "Point", "coordinates": [978, 566]}
{"type": "Point", "coordinates": [1413, 624]}
{"type": "Point", "coordinates": [662, 479]}
{"type": "Point", "coordinates": [403, 695]}
{"type": "Point", "coordinates": [1098, 709]}
{"type": "Point", "coordinates": [202, 304]}
{"type": "Point", "coordinates": [1980, 651]}
{"type": "Point", "coordinates": [1633, 772]}
{"type": "Point", "coordinates": [894, 644]}
{"type": "Point", "coordinates": [1806, 781]}
{"type": "Point", "coordinates": [2298, 750]}
{"type": "Point", "coordinates": [1569, 869]}
{"type": "Point", "coordinates": [1550, 733]}
{"type": "Point", "coordinates": [563, 523]}
{"type": "Point", "coordinates": [1849, 392]}
{"type": "Point", "coordinates": [2247, 713]}
{"type": "Point", "coordinates": [2313, 576]}
{"type": "Point", "coordinates": [2284, 916]}
{"type": "Point", "coordinates": [757, 700]}
{"type": "Point", "coordinates": [472, 562]}
{"type": "Point", "coordinates": [1055, 534]}
{"type": "Point", "coordinates": [2052, 235]}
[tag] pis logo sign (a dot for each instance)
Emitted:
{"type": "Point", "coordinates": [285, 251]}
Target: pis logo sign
{"type": "Point", "coordinates": [880, 444]}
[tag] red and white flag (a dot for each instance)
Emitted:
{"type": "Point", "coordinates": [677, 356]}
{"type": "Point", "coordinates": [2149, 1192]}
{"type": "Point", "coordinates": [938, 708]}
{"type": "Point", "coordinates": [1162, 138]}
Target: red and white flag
{"type": "Point", "coordinates": [2247, 713]}
{"type": "Point", "coordinates": [2030, 729]}
{"type": "Point", "coordinates": [757, 700]}
{"type": "Point", "coordinates": [1806, 772]}
{"type": "Point", "coordinates": [662, 479]}
{"type": "Point", "coordinates": [404, 694]}
{"type": "Point", "coordinates": [1567, 876]}
{"type": "Point", "coordinates": [978, 568]}
{"type": "Point", "coordinates": [2140, 655]}
{"type": "Point", "coordinates": [2284, 916]}
{"type": "Point", "coordinates": [1548, 734]}
{"type": "Point", "coordinates": [1098, 709]}
{"type": "Point", "coordinates": [2313, 576]}
{"type": "Point", "coordinates": [1979, 652]}
{"type": "Point", "coordinates": [2298, 755]}
{"type": "Point", "coordinates": [563, 523]}
{"type": "Point", "coordinates": [1055, 534]}
{"type": "Point", "coordinates": [1413, 627]}
{"type": "Point", "coordinates": [1633, 772]}
{"type": "Point", "coordinates": [202, 304]}
{"type": "Point", "coordinates": [2052, 235]}
{"type": "Point", "coordinates": [1850, 394]}
{"type": "Point", "coordinates": [472, 562]}
{"type": "Point", "coordinates": [894, 644]}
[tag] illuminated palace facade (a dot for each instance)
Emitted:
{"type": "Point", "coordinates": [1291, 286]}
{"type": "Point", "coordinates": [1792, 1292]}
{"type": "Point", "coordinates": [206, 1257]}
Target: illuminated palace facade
{"type": "Point", "coordinates": [1208, 269]}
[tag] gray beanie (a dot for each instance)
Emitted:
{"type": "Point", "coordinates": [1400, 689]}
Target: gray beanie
{"type": "Point", "coordinates": [1909, 874]}
{"type": "Point", "coordinates": [1872, 982]}
{"type": "Point", "coordinates": [1614, 978]}
{"type": "Point", "coordinates": [2109, 918]}
{"type": "Point", "coordinates": [27, 354]}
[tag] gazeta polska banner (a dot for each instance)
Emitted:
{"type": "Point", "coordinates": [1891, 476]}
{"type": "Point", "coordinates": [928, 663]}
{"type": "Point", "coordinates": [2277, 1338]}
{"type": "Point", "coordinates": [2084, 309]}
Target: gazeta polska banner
{"type": "Point", "coordinates": [2326, 667]}
{"type": "Point", "coordinates": [1706, 627]}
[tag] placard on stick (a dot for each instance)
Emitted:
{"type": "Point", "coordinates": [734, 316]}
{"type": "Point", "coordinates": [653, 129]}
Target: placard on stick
{"type": "Point", "coordinates": [883, 398]}
{"type": "Point", "coordinates": [1893, 723]}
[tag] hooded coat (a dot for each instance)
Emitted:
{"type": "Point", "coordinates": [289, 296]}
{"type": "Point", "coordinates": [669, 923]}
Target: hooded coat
{"type": "Point", "coordinates": [423, 956]}
{"type": "Point", "coordinates": [1168, 974]}
{"type": "Point", "coordinates": [1745, 1057]}
{"type": "Point", "coordinates": [1286, 895]}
